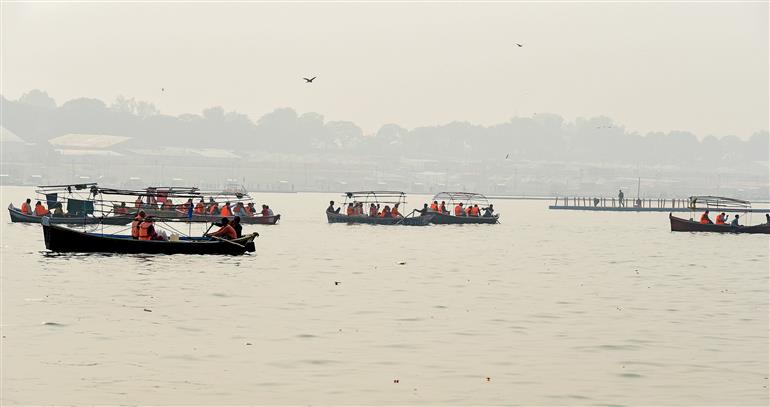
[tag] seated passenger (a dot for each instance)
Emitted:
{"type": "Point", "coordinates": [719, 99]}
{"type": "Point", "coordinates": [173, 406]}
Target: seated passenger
{"type": "Point", "coordinates": [331, 209]}
{"type": "Point", "coordinates": [147, 230]}
{"type": "Point", "coordinates": [138, 202]}
{"type": "Point", "coordinates": [459, 210]}
{"type": "Point", "coordinates": [200, 207]}
{"type": "Point", "coordinates": [394, 212]}
{"type": "Point", "coordinates": [721, 219]}
{"type": "Point", "coordinates": [704, 219]}
{"type": "Point", "coordinates": [734, 223]}
{"type": "Point", "coordinates": [488, 211]}
{"type": "Point", "coordinates": [138, 219]}
{"type": "Point", "coordinates": [434, 206]}
{"type": "Point", "coordinates": [265, 211]}
{"type": "Point", "coordinates": [240, 210]}
{"type": "Point", "coordinates": [236, 224]}
{"type": "Point", "coordinates": [350, 211]}
{"type": "Point", "coordinates": [214, 209]}
{"type": "Point", "coordinates": [250, 209]}
{"type": "Point", "coordinates": [26, 207]}
{"type": "Point", "coordinates": [425, 210]}
{"type": "Point", "coordinates": [385, 212]}
{"type": "Point", "coordinates": [58, 210]}
{"type": "Point", "coordinates": [442, 208]}
{"type": "Point", "coordinates": [40, 210]}
{"type": "Point", "coordinates": [475, 211]}
{"type": "Point", "coordinates": [226, 212]}
{"type": "Point", "coordinates": [225, 231]}
{"type": "Point", "coordinates": [373, 209]}
{"type": "Point", "coordinates": [167, 204]}
{"type": "Point", "coordinates": [269, 211]}
{"type": "Point", "coordinates": [122, 209]}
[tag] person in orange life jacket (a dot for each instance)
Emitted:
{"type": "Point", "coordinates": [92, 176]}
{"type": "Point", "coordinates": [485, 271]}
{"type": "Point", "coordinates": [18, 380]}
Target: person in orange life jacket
{"type": "Point", "coordinates": [459, 210]}
{"type": "Point", "coordinates": [721, 219]}
{"type": "Point", "coordinates": [122, 209]}
{"type": "Point", "coordinates": [138, 219]}
{"type": "Point", "coordinates": [26, 207]}
{"type": "Point", "coordinates": [225, 231]}
{"type": "Point", "coordinates": [250, 209]}
{"type": "Point", "coordinates": [442, 208]}
{"type": "Point", "coordinates": [434, 206]}
{"type": "Point", "coordinates": [200, 207]}
{"type": "Point", "coordinates": [147, 229]}
{"type": "Point", "coordinates": [385, 212]}
{"type": "Point", "coordinates": [349, 211]}
{"type": "Point", "coordinates": [214, 208]}
{"type": "Point", "coordinates": [40, 210]}
{"type": "Point", "coordinates": [240, 210]}
{"type": "Point", "coordinates": [394, 212]}
{"type": "Point", "coordinates": [373, 210]}
{"type": "Point", "coordinates": [704, 219]}
{"type": "Point", "coordinates": [475, 210]}
{"type": "Point", "coordinates": [226, 210]}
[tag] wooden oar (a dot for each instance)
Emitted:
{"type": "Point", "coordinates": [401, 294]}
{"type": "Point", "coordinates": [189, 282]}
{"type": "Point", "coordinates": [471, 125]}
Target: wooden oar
{"type": "Point", "coordinates": [228, 241]}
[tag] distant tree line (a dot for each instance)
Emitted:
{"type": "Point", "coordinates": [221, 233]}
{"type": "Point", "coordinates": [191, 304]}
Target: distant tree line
{"type": "Point", "coordinates": [36, 117]}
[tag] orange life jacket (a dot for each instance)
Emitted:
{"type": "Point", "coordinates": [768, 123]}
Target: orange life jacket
{"type": "Point", "coordinates": [474, 211]}
{"type": "Point", "coordinates": [720, 220]}
{"type": "Point", "coordinates": [135, 227]}
{"type": "Point", "coordinates": [213, 208]}
{"type": "Point", "coordinates": [25, 208]}
{"type": "Point", "coordinates": [442, 208]}
{"type": "Point", "coordinates": [226, 211]}
{"type": "Point", "coordinates": [144, 231]}
{"type": "Point", "coordinates": [372, 211]}
{"type": "Point", "coordinates": [350, 211]}
{"type": "Point", "coordinates": [394, 213]}
{"type": "Point", "coordinates": [40, 210]}
{"type": "Point", "coordinates": [458, 210]}
{"type": "Point", "coordinates": [199, 208]}
{"type": "Point", "coordinates": [705, 219]}
{"type": "Point", "coordinates": [434, 207]}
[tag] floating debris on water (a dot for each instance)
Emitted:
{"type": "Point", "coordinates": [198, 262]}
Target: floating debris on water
{"type": "Point", "coordinates": [52, 324]}
{"type": "Point", "coordinates": [147, 310]}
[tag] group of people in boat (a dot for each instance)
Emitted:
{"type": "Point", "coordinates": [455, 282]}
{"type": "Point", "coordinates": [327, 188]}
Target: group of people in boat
{"type": "Point", "coordinates": [143, 228]}
{"type": "Point", "coordinates": [357, 209]}
{"type": "Point", "coordinates": [212, 208]}
{"type": "Point", "coordinates": [721, 219]}
{"type": "Point", "coordinates": [41, 210]}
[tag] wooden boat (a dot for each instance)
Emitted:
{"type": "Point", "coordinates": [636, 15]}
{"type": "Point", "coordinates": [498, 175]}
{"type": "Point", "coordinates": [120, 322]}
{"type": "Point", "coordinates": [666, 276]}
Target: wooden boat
{"type": "Point", "coordinates": [66, 240]}
{"type": "Point", "coordinates": [374, 220]}
{"type": "Point", "coordinates": [684, 225]}
{"type": "Point", "coordinates": [466, 198]}
{"type": "Point", "coordinates": [385, 198]}
{"type": "Point", "coordinates": [118, 220]}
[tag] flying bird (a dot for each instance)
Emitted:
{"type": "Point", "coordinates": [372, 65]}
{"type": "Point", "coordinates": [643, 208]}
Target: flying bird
{"type": "Point", "coordinates": [309, 80]}
{"type": "Point", "coordinates": [519, 45]}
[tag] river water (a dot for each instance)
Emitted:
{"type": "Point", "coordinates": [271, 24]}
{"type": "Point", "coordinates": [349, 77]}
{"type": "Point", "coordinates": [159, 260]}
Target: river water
{"type": "Point", "coordinates": [546, 308]}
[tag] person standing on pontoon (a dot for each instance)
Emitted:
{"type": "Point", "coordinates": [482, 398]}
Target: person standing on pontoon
{"type": "Point", "coordinates": [621, 202]}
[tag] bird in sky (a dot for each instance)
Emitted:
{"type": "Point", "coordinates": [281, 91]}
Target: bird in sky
{"type": "Point", "coordinates": [309, 80]}
{"type": "Point", "coordinates": [519, 45]}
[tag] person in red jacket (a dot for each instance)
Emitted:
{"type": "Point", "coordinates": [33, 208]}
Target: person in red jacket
{"type": "Point", "coordinates": [225, 231]}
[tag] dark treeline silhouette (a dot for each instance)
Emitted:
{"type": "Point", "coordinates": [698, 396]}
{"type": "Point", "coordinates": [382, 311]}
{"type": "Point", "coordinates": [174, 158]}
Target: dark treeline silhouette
{"type": "Point", "coordinates": [36, 118]}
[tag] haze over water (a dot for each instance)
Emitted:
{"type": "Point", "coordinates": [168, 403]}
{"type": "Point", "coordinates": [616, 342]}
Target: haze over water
{"type": "Point", "coordinates": [554, 308]}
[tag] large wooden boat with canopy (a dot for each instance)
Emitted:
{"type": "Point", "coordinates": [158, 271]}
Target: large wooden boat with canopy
{"type": "Point", "coordinates": [66, 240]}
{"type": "Point", "coordinates": [178, 203]}
{"type": "Point", "coordinates": [78, 203]}
{"type": "Point", "coordinates": [718, 204]}
{"type": "Point", "coordinates": [467, 199]}
{"type": "Point", "coordinates": [381, 200]}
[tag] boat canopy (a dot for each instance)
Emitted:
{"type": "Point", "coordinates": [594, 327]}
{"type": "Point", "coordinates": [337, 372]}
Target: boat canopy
{"type": "Point", "coordinates": [461, 197]}
{"type": "Point", "coordinates": [708, 201]}
{"type": "Point", "coordinates": [376, 197]}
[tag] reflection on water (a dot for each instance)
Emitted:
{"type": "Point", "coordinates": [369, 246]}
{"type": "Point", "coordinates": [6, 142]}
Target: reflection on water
{"type": "Point", "coordinates": [547, 308]}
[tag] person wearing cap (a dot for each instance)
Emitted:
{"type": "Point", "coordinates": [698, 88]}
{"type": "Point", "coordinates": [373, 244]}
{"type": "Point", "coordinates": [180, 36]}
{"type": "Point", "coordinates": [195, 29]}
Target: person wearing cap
{"type": "Point", "coordinates": [226, 231]}
{"type": "Point", "coordinates": [704, 219]}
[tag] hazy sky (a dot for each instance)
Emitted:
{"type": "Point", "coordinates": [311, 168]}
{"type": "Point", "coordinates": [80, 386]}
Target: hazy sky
{"type": "Point", "coordinates": [663, 66]}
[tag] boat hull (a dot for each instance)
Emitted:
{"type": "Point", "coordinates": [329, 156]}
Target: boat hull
{"type": "Point", "coordinates": [64, 240]}
{"type": "Point", "coordinates": [372, 220]}
{"type": "Point", "coordinates": [18, 217]}
{"type": "Point", "coordinates": [446, 219]}
{"type": "Point", "coordinates": [684, 225]}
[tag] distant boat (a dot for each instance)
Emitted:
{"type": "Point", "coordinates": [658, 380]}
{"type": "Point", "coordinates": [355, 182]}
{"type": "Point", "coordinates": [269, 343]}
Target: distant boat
{"type": "Point", "coordinates": [384, 198]}
{"type": "Point", "coordinates": [684, 225]}
{"type": "Point", "coordinates": [66, 240]}
{"type": "Point", "coordinates": [18, 217]}
{"type": "Point", "coordinates": [466, 198]}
